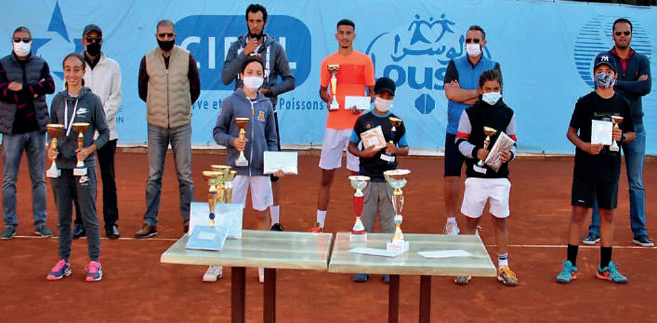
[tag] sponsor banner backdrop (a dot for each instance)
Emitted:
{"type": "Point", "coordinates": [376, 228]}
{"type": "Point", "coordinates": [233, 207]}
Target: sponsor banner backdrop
{"type": "Point", "coordinates": [545, 49]}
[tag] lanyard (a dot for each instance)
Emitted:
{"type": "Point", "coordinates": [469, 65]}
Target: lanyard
{"type": "Point", "coordinates": [66, 121]}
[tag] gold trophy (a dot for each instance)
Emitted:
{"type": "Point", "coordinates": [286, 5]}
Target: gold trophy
{"type": "Point", "coordinates": [397, 179]}
{"type": "Point", "coordinates": [213, 180]}
{"type": "Point", "coordinates": [223, 171]}
{"type": "Point", "coordinates": [479, 167]}
{"type": "Point", "coordinates": [80, 128]}
{"type": "Point", "coordinates": [616, 120]}
{"type": "Point", "coordinates": [228, 186]}
{"type": "Point", "coordinates": [333, 69]}
{"type": "Point", "coordinates": [54, 131]}
{"type": "Point", "coordinates": [395, 122]}
{"type": "Point", "coordinates": [242, 123]}
{"type": "Point", "coordinates": [359, 183]}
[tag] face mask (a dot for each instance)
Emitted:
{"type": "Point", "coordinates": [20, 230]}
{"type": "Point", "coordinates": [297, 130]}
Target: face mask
{"type": "Point", "coordinates": [605, 81]}
{"type": "Point", "coordinates": [253, 83]}
{"type": "Point", "coordinates": [93, 49]}
{"type": "Point", "coordinates": [166, 45]}
{"type": "Point", "coordinates": [382, 105]}
{"type": "Point", "coordinates": [22, 49]}
{"type": "Point", "coordinates": [473, 50]}
{"type": "Point", "coordinates": [491, 98]}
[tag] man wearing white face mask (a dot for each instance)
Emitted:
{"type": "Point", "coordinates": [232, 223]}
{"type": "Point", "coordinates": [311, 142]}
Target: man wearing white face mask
{"type": "Point", "coordinates": [24, 81]}
{"type": "Point", "coordinates": [460, 84]}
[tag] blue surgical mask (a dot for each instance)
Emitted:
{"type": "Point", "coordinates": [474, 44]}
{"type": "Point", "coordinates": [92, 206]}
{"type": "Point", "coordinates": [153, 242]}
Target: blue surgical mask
{"type": "Point", "coordinates": [491, 98]}
{"type": "Point", "coordinates": [605, 81]}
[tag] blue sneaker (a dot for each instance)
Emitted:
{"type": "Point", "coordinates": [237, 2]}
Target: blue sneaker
{"type": "Point", "coordinates": [568, 273]}
{"type": "Point", "coordinates": [361, 278]}
{"type": "Point", "coordinates": [94, 271]}
{"type": "Point", "coordinates": [59, 271]}
{"type": "Point", "coordinates": [610, 273]}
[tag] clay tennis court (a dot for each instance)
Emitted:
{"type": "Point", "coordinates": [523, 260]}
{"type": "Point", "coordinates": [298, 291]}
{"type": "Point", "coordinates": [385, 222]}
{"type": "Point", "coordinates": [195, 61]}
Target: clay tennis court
{"type": "Point", "coordinates": [136, 287]}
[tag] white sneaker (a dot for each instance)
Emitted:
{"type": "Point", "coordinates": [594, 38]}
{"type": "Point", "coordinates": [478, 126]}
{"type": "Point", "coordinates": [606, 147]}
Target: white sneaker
{"type": "Point", "coordinates": [213, 273]}
{"type": "Point", "coordinates": [451, 228]}
{"type": "Point", "coordinates": [261, 275]}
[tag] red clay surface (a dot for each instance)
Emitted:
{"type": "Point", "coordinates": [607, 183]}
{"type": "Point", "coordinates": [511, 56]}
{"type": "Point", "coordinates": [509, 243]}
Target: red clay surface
{"type": "Point", "coordinates": [136, 287]}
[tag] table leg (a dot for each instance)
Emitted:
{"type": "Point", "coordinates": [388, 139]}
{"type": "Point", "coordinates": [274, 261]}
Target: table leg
{"type": "Point", "coordinates": [425, 299]}
{"type": "Point", "coordinates": [393, 299]}
{"type": "Point", "coordinates": [237, 293]}
{"type": "Point", "coordinates": [269, 305]}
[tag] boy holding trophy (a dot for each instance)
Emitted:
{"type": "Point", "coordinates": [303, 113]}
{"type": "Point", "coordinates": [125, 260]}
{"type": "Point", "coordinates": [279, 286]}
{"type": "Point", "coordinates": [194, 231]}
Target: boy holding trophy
{"type": "Point", "coordinates": [384, 137]}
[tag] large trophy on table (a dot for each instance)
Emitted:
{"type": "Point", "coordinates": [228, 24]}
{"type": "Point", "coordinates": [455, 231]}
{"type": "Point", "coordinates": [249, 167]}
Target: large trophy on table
{"type": "Point", "coordinates": [333, 69]}
{"type": "Point", "coordinates": [80, 128]}
{"type": "Point", "coordinates": [479, 166]}
{"type": "Point", "coordinates": [213, 180]}
{"type": "Point", "coordinates": [359, 183]}
{"type": "Point", "coordinates": [54, 131]}
{"type": "Point", "coordinates": [223, 171]}
{"type": "Point", "coordinates": [616, 120]}
{"type": "Point", "coordinates": [397, 179]}
{"type": "Point", "coordinates": [228, 186]}
{"type": "Point", "coordinates": [394, 122]}
{"type": "Point", "coordinates": [242, 123]}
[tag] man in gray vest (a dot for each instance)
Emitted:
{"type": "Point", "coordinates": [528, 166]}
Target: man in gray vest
{"type": "Point", "coordinates": [169, 84]}
{"type": "Point", "coordinates": [276, 64]}
{"type": "Point", "coordinates": [24, 82]}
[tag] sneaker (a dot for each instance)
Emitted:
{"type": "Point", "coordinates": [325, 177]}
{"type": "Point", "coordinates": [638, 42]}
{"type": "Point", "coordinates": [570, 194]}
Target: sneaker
{"type": "Point", "coordinates": [60, 270]}
{"type": "Point", "coordinates": [462, 280]}
{"type": "Point", "coordinates": [386, 278]}
{"type": "Point", "coordinates": [261, 275]}
{"type": "Point", "coordinates": [277, 227]}
{"type": "Point", "coordinates": [146, 231]}
{"type": "Point", "coordinates": [361, 278]}
{"type": "Point", "coordinates": [610, 273]}
{"type": "Point", "coordinates": [643, 241]}
{"type": "Point", "coordinates": [591, 238]}
{"type": "Point", "coordinates": [451, 228]}
{"type": "Point", "coordinates": [9, 233]}
{"type": "Point", "coordinates": [43, 231]}
{"type": "Point", "coordinates": [112, 232]}
{"type": "Point", "coordinates": [78, 231]}
{"type": "Point", "coordinates": [316, 228]}
{"type": "Point", "coordinates": [213, 273]}
{"type": "Point", "coordinates": [94, 271]}
{"type": "Point", "coordinates": [568, 273]}
{"type": "Point", "coordinates": [507, 277]}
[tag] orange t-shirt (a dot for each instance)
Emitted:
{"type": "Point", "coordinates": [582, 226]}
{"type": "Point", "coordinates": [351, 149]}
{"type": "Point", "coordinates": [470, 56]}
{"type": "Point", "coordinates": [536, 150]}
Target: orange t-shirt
{"type": "Point", "coordinates": [355, 75]}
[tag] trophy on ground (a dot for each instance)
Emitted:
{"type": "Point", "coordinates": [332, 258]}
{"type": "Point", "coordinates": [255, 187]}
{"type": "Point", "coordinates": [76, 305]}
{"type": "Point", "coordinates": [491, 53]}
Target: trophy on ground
{"type": "Point", "coordinates": [228, 186]}
{"type": "Point", "coordinates": [616, 120]}
{"type": "Point", "coordinates": [242, 123]}
{"type": "Point", "coordinates": [333, 69]}
{"type": "Point", "coordinates": [54, 131]}
{"type": "Point", "coordinates": [397, 179]}
{"type": "Point", "coordinates": [213, 180]}
{"type": "Point", "coordinates": [80, 128]}
{"type": "Point", "coordinates": [359, 183]}
{"type": "Point", "coordinates": [479, 166]}
{"type": "Point", "coordinates": [395, 122]}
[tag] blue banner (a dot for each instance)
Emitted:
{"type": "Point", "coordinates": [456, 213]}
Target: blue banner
{"type": "Point", "coordinates": [545, 49]}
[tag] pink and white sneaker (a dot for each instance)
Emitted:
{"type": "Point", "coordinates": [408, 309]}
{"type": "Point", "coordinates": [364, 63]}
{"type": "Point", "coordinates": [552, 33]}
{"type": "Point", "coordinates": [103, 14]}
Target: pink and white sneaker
{"type": "Point", "coordinates": [94, 271]}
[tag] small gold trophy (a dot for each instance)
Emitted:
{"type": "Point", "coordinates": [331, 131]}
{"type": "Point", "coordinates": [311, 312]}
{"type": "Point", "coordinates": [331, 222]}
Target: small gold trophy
{"type": "Point", "coordinates": [616, 120]}
{"type": "Point", "coordinates": [333, 69]}
{"type": "Point", "coordinates": [228, 186]}
{"type": "Point", "coordinates": [212, 178]}
{"type": "Point", "coordinates": [242, 123]}
{"type": "Point", "coordinates": [359, 183]}
{"type": "Point", "coordinates": [397, 179]}
{"type": "Point", "coordinates": [80, 128]}
{"type": "Point", "coordinates": [395, 122]}
{"type": "Point", "coordinates": [479, 167]}
{"type": "Point", "coordinates": [54, 131]}
{"type": "Point", "coordinates": [223, 171]}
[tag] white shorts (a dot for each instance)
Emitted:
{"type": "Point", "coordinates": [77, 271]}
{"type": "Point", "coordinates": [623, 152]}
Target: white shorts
{"type": "Point", "coordinates": [261, 195]}
{"type": "Point", "coordinates": [480, 190]}
{"type": "Point", "coordinates": [335, 142]}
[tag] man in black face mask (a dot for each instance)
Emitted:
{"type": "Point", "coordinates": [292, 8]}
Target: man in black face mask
{"type": "Point", "coordinates": [169, 84]}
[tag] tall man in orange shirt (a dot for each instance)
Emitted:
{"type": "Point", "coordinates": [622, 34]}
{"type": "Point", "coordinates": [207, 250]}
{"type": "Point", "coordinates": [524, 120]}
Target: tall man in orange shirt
{"type": "Point", "coordinates": [355, 78]}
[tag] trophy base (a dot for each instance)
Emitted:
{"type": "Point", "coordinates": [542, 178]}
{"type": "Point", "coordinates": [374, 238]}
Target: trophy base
{"type": "Point", "coordinates": [241, 163]}
{"type": "Point", "coordinates": [479, 169]}
{"type": "Point", "coordinates": [398, 245]}
{"type": "Point", "coordinates": [334, 106]}
{"type": "Point", "coordinates": [614, 148]}
{"type": "Point", "coordinates": [79, 171]}
{"type": "Point", "coordinates": [53, 173]}
{"type": "Point", "coordinates": [388, 158]}
{"type": "Point", "coordinates": [358, 236]}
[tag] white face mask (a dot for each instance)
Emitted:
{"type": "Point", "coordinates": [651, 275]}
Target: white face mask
{"type": "Point", "coordinates": [22, 49]}
{"type": "Point", "coordinates": [473, 50]}
{"type": "Point", "coordinates": [491, 98]}
{"type": "Point", "coordinates": [382, 105]}
{"type": "Point", "coordinates": [252, 83]}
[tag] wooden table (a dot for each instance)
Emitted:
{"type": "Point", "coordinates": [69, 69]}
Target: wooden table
{"type": "Point", "coordinates": [269, 249]}
{"type": "Point", "coordinates": [411, 263]}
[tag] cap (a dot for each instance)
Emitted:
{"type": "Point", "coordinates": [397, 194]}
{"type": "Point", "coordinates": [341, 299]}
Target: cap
{"type": "Point", "coordinates": [604, 59]}
{"type": "Point", "coordinates": [385, 84]}
{"type": "Point", "coordinates": [90, 28]}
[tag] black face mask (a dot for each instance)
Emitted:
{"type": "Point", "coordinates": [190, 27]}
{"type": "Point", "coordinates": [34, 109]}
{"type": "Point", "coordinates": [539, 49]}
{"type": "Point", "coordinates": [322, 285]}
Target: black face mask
{"type": "Point", "coordinates": [166, 45]}
{"type": "Point", "coordinates": [256, 36]}
{"type": "Point", "coordinates": [93, 49]}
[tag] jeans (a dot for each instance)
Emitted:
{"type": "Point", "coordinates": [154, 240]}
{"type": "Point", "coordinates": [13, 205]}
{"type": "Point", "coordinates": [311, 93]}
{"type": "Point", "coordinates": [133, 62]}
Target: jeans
{"type": "Point", "coordinates": [34, 144]}
{"type": "Point", "coordinates": [635, 153]}
{"type": "Point", "coordinates": [181, 144]}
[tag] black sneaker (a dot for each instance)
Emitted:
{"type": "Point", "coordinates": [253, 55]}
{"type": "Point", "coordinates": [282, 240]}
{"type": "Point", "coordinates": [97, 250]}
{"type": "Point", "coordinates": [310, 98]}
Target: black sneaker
{"type": "Point", "coordinates": [112, 232]}
{"type": "Point", "coordinates": [79, 231]}
{"type": "Point", "coordinates": [8, 233]}
{"type": "Point", "coordinates": [43, 231]}
{"type": "Point", "coordinates": [277, 227]}
{"type": "Point", "coordinates": [591, 239]}
{"type": "Point", "coordinates": [643, 241]}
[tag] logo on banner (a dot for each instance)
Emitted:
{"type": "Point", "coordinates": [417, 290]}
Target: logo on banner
{"type": "Point", "coordinates": [416, 56]}
{"type": "Point", "coordinates": [596, 36]}
{"type": "Point", "coordinates": [208, 38]}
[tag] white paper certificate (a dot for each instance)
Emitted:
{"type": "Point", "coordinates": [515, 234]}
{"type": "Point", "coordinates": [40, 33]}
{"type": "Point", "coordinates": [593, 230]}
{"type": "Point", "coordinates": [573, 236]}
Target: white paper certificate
{"type": "Point", "coordinates": [284, 160]}
{"type": "Point", "coordinates": [376, 252]}
{"type": "Point", "coordinates": [445, 253]}
{"type": "Point", "coordinates": [361, 102]}
{"type": "Point", "coordinates": [601, 132]}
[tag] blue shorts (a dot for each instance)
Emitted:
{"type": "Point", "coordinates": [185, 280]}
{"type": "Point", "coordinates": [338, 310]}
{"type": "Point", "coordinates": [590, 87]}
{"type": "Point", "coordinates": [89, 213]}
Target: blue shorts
{"type": "Point", "coordinates": [453, 157]}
